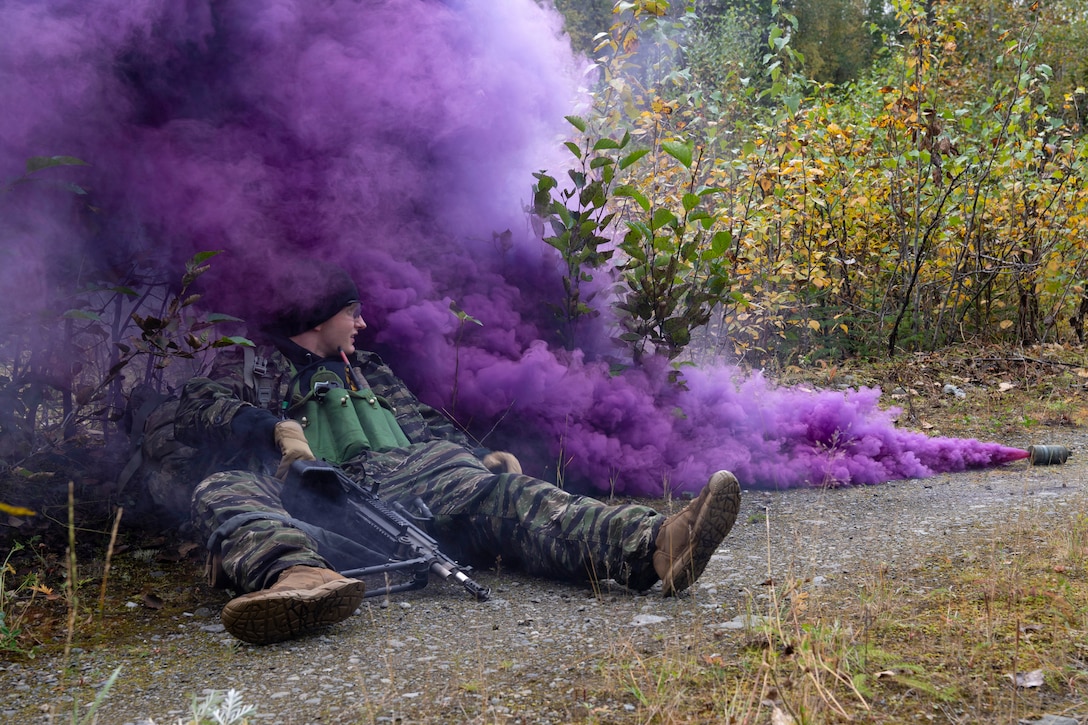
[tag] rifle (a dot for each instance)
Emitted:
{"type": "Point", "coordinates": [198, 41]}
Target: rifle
{"type": "Point", "coordinates": [383, 529]}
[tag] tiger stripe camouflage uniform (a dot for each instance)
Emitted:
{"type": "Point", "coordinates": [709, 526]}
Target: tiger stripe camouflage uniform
{"type": "Point", "coordinates": [479, 516]}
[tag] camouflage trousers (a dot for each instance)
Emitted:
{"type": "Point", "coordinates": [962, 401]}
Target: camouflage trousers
{"type": "Point", "coordinates": [480, 517]}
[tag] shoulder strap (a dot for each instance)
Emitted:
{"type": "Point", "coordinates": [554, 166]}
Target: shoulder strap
{"type": "Point", "coordinates": [255, 376]}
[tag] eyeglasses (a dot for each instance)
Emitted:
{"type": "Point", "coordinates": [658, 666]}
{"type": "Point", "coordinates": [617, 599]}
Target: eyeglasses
{"type": "Point", "coordinates": [354, 310]}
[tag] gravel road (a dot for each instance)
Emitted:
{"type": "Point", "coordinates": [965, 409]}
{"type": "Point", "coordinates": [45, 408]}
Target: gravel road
{"type": "Point", "coordinates": [524, 656]}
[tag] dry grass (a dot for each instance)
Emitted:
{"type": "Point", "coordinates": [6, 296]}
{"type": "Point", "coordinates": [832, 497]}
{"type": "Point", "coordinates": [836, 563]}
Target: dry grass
{"type": "Point", "coordinates": [943, 644]}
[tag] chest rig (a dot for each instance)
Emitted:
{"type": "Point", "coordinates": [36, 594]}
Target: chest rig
{"type": "Point", "coordinates": [341, 416]}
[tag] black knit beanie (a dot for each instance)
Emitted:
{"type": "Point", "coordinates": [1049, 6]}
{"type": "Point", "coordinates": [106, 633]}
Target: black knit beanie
{"type": "Point", "coordinates": [310, 296]}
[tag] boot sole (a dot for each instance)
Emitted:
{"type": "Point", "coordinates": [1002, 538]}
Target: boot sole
{"type": "Point", "coordinates": [279, 616]}
{"type": "Point", "coordinates": [715, 521]}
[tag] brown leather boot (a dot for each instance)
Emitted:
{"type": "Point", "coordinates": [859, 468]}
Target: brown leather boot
{"type": "Point", "coordinates": [303, 600]}
{"type": "Point", "coordinates": [689, 538]}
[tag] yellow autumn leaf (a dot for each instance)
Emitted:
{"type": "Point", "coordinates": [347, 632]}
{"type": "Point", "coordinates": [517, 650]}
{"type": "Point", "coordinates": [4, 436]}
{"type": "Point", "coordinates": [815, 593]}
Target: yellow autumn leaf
{"type": "Point", "coordinates": [16, 510]}
{"type": "Point", "coordinates": [1006, 324]}
{"type": "Point", "coordinates": [814, 325]}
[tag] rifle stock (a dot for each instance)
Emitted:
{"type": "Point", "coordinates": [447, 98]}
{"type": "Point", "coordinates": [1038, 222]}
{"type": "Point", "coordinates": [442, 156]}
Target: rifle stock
{"type": "Point", "coordinates": [387, 529]}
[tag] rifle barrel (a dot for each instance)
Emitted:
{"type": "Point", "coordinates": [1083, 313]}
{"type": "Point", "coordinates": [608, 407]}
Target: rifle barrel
{"type": "Point", "coordinates": [407, 540]}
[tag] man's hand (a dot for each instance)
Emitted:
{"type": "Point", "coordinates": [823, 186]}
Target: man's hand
{"type": "Point", "coordinates": [502, 462]}
{"type": "Point", "coordinates": [293, 445]}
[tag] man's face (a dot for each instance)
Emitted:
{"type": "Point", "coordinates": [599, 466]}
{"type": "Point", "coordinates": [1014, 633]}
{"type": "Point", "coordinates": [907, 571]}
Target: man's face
{"type": "Point", "coordinates": [338, 332]}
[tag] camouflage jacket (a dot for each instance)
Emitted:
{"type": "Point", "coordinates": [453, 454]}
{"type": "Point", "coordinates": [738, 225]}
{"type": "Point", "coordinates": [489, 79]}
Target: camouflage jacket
{"type": "Point", "coordinates": [211, 406]}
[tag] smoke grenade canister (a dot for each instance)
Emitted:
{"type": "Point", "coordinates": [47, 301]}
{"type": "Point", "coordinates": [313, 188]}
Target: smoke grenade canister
{"type": "Point", "coordinates": [1048, 455]}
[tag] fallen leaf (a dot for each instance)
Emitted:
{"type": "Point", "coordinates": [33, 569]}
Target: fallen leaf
{"type": "Point", "coordinates": [781, 717]}
{"type": "Point", "coordinates": [1005, 387]}
{"type": "Point", "coordinates": [16, 510]}
{"type": "Point", "coordinates": [1027, 679]}
{"type": "Point", "coordinates": [34, 475]}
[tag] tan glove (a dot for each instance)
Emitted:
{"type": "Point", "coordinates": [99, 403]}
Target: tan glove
{"type": "Point", "coordinates": [293, 445]}
{"type": "Point", "coordinates": [502, 462]}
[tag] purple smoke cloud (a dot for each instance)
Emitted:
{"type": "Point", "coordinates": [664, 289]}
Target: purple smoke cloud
{"type": "Point", "coordinates": [398, 139]}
